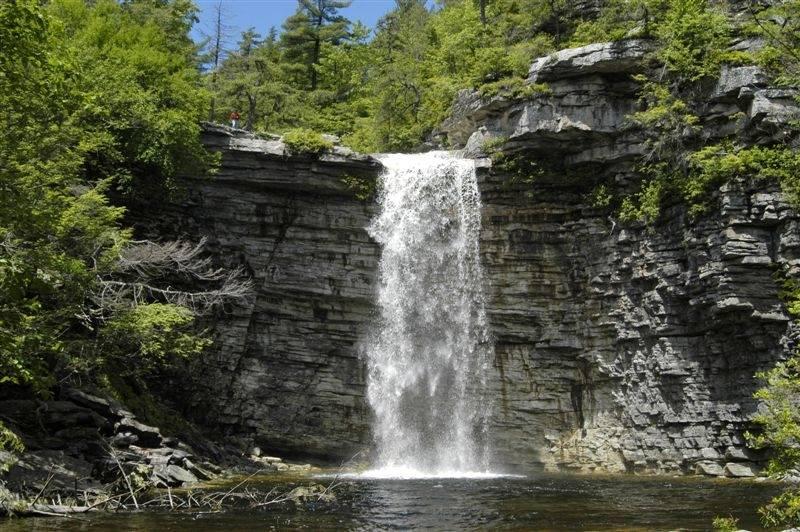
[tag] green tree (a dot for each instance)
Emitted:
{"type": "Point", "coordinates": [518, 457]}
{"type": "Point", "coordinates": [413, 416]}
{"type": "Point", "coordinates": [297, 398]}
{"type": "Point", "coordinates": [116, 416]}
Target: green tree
{"type": "Point", "coordinates": [396, 80]}
{"type": "Point", "coordinates": [93, 97]}
{"type": "Point", "coordinates": [694, 38]}
{"type": "Point", "coordinates": [315, 23]}
{"type": "Point", "coordinates": [779, 24]}
{"type": "Point", "coordinates": [243, 76]}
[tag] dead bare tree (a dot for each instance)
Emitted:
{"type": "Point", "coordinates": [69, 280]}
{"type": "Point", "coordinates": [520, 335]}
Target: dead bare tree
{"type": "Point", "coordinates": [218, 38]}
{"type": "Point", "coordinates": [174, 272]}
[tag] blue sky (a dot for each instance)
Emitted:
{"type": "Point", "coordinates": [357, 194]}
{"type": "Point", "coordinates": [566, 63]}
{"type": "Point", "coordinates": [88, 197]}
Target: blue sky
{"type": "Point", "coordinates": [263, 14]}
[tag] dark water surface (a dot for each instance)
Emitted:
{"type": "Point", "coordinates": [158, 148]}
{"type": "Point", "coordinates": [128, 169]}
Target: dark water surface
{"type": "Point", "coordinates": [563, 503]}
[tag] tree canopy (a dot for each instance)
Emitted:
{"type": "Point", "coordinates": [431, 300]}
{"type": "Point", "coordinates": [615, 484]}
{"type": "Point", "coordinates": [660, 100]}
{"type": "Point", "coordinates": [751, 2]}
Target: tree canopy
{"type": "Point", "coordinates": [97, 99]}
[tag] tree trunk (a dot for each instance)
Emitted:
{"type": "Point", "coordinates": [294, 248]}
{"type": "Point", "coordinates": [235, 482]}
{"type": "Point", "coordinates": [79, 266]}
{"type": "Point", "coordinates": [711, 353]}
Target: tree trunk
{"type": "Point", "coordinates": [314, 63]}
{"type": "Point", "coordinates": [217, 46]}
{"type": "Point", "coordinates": [317, 49]}
{"type": "Point", "coordinates": [251, 112]}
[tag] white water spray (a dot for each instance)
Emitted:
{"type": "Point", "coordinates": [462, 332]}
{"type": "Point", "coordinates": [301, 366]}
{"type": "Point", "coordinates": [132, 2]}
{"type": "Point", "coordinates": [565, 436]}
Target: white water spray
{"type": "Point", "coordinates": [429, 355]}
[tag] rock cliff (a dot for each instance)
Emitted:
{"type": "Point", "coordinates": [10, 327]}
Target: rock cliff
{"type": "Point", "coordinates": [625, 348]}
{"type": "Point", "coordinates": [284, 374]}
{"type": "Point", "coordinates": [618, 348]}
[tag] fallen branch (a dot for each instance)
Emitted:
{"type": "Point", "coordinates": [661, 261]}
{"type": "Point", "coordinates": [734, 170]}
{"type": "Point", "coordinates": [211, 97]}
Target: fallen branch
{"type": "Point", "coordinates": [125, 476]}
{"type": "Point", "coordinates": [46, 483]}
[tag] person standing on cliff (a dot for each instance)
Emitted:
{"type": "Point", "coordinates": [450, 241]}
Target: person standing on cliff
{"type": "Point", "coordinates": [234, 119]}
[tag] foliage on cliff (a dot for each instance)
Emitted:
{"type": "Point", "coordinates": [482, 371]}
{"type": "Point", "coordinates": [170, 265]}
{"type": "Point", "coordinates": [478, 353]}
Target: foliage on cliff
{"type": "Point", "coordinates": [693, 39]}
{"type": "Point", "coordinates": [779, 24]}
{"type": "Point", "coordinates": [389, 89]}
{"type": "Point", "coordinates": [390, 92]}
{"type": "Point", "coordinates": [304, 141]}
{"type": "Point", "coordinates": [96, 98]}
{"type": "Point", "coordinates": [779, 421]}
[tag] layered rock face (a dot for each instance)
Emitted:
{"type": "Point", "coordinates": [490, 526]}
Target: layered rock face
{"type": "Point", "coordinates": [631, 350]}
{"type": "Point", "coordinates": [626, 348]}
{"type": "Point", "coordinates": [617, 348]}
{"type": "Point", "coordinates": [284, 373]}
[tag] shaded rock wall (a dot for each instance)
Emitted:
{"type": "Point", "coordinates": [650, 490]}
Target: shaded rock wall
{"type": "Point", "coordinates": [631, 350]}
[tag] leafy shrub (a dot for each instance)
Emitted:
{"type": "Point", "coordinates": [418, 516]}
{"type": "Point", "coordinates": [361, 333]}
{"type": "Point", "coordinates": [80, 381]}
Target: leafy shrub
{"type": "Point", "coordinates": [645, 206]}
{"type": "Point", "coordinates": [492, 146]}
{"type": "Point", "coordinates": [302, 141]}
{"type": "Point", "coordinates": [725, 524]}
{"type": "Point", "coordinates": [693, 39]}
{"type": "Point", "coordinates": [779, 24]}
{"type": "Point", "coordinates": [600, 197]}
{"type": "Point", "coordinates": [362, 187]}
{"type": "Point", "coordinates": [783, 510]}
{"type": "Point", "coordinates": [9, 441]}
{"type": "Point", "coordinates": [619, 19]}
{"type": "Point", "coordinates": [151, 334]}
{"type": "Point", "coordinates": [714, 165]}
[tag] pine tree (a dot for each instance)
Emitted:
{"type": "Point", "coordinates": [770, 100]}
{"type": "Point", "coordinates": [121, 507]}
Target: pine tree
{"type": "Point", "coordinates": [315, 23]}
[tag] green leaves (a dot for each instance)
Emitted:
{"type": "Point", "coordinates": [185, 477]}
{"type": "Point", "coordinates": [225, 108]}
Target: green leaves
{"type": "Point", "coordinates": [779, 24]}
{"type": "Point", "coordinates": [93, 96]}
{"type": "Point", "coordinates": [149, 336]}
{"type": "Point", "coordinates": [694, 39]}
{"type": "Point", "coordinates": [303, 141]}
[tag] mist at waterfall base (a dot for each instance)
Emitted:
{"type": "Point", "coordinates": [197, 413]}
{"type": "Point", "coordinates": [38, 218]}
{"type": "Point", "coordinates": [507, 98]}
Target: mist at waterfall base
{"type": "Point", "coordinates": [429, 350]}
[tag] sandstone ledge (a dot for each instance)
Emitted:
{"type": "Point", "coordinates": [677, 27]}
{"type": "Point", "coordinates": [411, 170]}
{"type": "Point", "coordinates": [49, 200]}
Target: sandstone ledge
{"type": "Point", "coordinates": [266, 162]}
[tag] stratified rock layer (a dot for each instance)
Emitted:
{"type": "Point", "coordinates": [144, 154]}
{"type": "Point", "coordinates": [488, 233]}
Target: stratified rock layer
{"type": "Point", "coordinates": [625, 348]}
{"type": "Point", "coordinates": [618, 348]}
{"type": "Point", "coordinates": [285, 371]}
{"type": "Point", "coordinates": [630, 349]}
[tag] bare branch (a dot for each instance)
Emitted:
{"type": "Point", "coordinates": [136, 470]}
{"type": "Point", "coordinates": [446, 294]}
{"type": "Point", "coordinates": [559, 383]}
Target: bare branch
{"type": "Point", "coordinates": [123, 293]}
{"type": "Point", "coordinates": [148, 271]}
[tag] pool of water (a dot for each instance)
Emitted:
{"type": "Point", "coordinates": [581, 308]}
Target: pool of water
{"type": "Point", "coordinates": [546, 502]}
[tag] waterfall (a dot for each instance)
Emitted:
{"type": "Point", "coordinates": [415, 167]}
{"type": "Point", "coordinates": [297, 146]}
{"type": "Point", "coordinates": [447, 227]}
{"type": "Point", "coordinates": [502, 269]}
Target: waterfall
{"type": "Point", "coordinates": [429, 353]}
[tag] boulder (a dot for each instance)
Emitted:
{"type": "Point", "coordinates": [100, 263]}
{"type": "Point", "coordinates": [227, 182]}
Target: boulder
{"type": "Point", "coordinates": [710, 469]}
{"type": "Point", "coordinates": [199, 472]}
{"type": "Point", "coordinates": [33, 468]}
{"type": "Point", "coordinates": [740, 454]}
{"type": "Point", "coordinates": [771, 110]}
{"type": "Point", "coordinates": [173, 475]}
{"type": "Point", "coordinates": [738, 82]}
{"type": "Point", "coordinates": [105, 407]}
{"type": "Point", "coordinates": [146, 435]}
{"type": "Point", "coordinates": [741, 470]}
{"type": "Point", "coordinates": [625, 56]}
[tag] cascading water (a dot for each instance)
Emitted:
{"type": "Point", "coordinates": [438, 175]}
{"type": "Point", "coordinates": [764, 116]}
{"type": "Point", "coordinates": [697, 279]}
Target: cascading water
{"type": "Point", "coordinates": [430, 351]}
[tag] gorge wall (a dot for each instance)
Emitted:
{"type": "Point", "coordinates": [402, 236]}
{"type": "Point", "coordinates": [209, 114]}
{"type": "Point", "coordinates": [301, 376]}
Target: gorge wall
{"type": "Point", "coordinates": [620, 347]}
{"type": "Point", "coordinates": [284, 373]}
{"type": "Point", "coordinates": [617, 348]}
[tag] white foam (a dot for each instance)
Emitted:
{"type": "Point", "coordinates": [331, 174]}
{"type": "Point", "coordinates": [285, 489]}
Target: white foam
{"type": "Point", "coordinates": [408, 473]}
{"type": "Point", "coordinates": [430, 350]}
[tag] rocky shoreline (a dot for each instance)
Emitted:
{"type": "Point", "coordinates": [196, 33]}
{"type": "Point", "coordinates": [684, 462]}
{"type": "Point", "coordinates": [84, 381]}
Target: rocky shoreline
{"type": "Point", "coordinates": [85, 452]}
